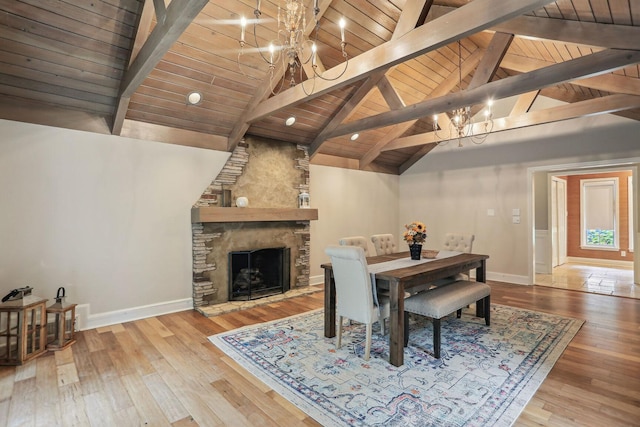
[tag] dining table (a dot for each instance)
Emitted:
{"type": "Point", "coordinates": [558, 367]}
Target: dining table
{"type": "Point", "coordinates": [396, 281]}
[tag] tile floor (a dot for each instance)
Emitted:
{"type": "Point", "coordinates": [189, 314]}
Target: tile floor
{"type": "Point", "coordinates": [596, 277]}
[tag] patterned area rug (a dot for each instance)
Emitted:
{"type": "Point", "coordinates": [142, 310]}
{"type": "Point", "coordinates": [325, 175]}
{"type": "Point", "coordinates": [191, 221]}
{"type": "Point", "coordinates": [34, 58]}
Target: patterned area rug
{"type": "Point", "coordinates": [485, 377]}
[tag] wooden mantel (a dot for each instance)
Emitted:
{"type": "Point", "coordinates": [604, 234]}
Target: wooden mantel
{"type": "Point", "coordinates": [215, 214]}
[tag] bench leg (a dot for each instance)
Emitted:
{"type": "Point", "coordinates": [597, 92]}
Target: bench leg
{"type": "Point", "coordinates": [436, 338]}
{"type": "Point", "coordinates": [480, 308]}
{"type": "Point", "coordinates": [487, 310]}
{"type": "Point", "coordinates": [459, 313]}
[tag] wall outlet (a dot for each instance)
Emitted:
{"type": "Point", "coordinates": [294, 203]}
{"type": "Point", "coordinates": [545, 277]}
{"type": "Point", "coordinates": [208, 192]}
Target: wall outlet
{"type": "Point", "coordinates": [623, 253]}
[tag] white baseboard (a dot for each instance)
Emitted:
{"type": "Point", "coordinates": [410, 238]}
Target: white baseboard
{"type": "Point", "coordinates": [91, 321]}
{"type": "Point", "coordinates": [316, 280]}
{"type": "Point", "coordinates": [508, 278]}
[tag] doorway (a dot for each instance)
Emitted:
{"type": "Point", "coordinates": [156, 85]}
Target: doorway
{"type": "Point", "coordinates": [570, 263]}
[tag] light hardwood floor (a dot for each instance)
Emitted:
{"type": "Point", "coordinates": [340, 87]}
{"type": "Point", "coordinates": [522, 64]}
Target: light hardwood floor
{"type": "Point", "coordinates": [598, 277]}
{"type": "Point", "coordinates": [163, 371]}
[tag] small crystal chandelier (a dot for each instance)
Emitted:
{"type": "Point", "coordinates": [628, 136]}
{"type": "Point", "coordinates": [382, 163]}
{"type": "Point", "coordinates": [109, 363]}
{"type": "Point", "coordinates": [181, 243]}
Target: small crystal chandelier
{"type": "Point", "coordinates": [291, 46]}
{"type": "Point", "coordinates": [461, 125]}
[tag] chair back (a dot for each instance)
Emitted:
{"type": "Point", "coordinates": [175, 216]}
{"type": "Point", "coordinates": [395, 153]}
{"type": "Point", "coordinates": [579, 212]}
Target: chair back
{"type": "Point", "coordinates": [384, 243]}
{"type": "Point", "coordinates": [359, 241]}
{"type": "Point", "coordinates": [354, 293]}
{"type": "Point", "coordinates": [459, 242]}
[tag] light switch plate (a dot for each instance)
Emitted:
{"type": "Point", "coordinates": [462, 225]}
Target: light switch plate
{"type": "Point", "coordinates": [491, 212]}
{"type": "Point", "coordinates": [516, 219]}
{"type": "Point", "coordinates": [515, 212]}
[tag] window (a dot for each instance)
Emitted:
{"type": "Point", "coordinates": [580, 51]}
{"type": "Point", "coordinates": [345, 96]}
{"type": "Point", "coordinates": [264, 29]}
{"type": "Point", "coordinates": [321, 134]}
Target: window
{"type": "Point", "coordinates": [599, 213]}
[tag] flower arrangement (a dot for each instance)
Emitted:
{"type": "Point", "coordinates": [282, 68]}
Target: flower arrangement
{"type": "Point", "coordinates": [416, 233]}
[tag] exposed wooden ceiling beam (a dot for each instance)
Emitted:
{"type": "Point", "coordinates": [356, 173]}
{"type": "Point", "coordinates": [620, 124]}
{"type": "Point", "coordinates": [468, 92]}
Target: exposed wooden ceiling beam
{"type": "Point", "coordinates": [406, 23]}
{"type": "Point", "coordinates": [586, 66]}
{"type": "Point", "coordinates": [460, 23]}
{"type": "Point", "coordinates": [589, 33]}
{"type": "Point", "coordinates": [142, 34]}
{"type": "Point", "coordinates": [180, 13]}
{"type": "Point", "coordinates": [390, 94]}
{"type": "Point", "coordinates": [579, 32]}
{"type": "Point", "coordinates": [491, 60]}
{"type": "Point", "coordinates": [605, 105]}
{"type": "Point", "coordinates": [178, 16]}
{"type": "Point", "coordinates": [607, 82]}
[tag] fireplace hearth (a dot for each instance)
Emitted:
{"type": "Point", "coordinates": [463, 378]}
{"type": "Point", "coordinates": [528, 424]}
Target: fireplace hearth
{"type": "Point", "coordinates": [258, 273]}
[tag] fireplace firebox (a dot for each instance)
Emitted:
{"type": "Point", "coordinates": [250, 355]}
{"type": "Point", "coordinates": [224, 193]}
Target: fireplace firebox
{"type": "Point", "coordinates": [258, 273]}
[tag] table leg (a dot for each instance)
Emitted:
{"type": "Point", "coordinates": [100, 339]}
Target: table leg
{"type": "Point", "coordinates": [396, 327]}
{"type": "Point", "coordinates": [329, 304]}
{"type": "Point", "coordinates": [481, 276]}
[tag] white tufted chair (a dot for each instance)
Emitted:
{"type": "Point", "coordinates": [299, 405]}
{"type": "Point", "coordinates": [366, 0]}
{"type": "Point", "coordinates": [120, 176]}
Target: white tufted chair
{"type": "Point", "coordinates": [354, 291]}
{"type": "Point", "coordinates": [359, 241]}
{"type": "Point", "coordinates": [384, 244]}
{"type": "Point", "coordinates": [452, 242]}
{"type": "Point", "coordinates": [461, 243]}
{"type": "Point", "coordinates": [458, 242]}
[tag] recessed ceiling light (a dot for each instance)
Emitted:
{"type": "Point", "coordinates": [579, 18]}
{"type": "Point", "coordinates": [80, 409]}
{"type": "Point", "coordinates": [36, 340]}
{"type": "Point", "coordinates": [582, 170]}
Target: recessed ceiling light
{"type": "Point", "coordinates": [355, 136]}
{"type": "Point", "coordinates": [290, 121]}
{"type": "Point", "coordinates": [194, 98]}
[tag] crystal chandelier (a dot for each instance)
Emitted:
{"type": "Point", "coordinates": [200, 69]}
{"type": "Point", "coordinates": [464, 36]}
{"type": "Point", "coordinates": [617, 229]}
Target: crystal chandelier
{"type": "Point", "coordinates": [461, 124]}
{"type": "Point", "coordinates": [291, 46]}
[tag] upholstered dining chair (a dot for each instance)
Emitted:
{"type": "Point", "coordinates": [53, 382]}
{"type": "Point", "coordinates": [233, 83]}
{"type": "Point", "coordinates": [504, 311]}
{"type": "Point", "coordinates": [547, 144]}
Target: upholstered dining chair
{"type": "Point", "coordinates": [354, 291]}
{"type": "Point", "coordinates": [358, 241]}
{"type": "Point", "coordinates": [461, 243]}
{"type": "Point", "coordinates": [384, 243]}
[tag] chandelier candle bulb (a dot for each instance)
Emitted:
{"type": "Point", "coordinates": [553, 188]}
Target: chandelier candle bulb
{"type": "Point", "coordinates": [243, 24]}
{"type": "Point", "coordinates": [314, 48]}
{"type": "Point", "coordinates": [343, 24]}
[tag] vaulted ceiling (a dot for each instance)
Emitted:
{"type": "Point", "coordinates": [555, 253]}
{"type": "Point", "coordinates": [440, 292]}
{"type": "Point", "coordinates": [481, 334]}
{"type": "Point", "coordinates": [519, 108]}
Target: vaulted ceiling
{"type": "Point", "coordinates": [125, 67]}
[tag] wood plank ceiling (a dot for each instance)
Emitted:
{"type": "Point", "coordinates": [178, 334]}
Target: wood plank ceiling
{"type": "Point", "coordinates": [125, 67]}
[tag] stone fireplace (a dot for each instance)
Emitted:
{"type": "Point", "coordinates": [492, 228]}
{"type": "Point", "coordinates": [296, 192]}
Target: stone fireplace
{"type": "Point", "coordinates": [271, 175]}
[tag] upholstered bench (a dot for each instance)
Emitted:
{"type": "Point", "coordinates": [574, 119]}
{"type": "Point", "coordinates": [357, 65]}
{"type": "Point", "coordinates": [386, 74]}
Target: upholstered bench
{"type": "Point", "coordinates": [444, 300]}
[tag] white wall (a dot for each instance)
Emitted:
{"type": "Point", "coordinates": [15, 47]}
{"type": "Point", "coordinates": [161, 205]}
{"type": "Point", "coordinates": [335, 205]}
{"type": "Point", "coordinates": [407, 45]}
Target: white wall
{"type": "Point", "coordinates": [350, 203]}
{"type": "Point", "coordinates": [106, 217]}
{"type": "Point", "coordinates": [452, 188]}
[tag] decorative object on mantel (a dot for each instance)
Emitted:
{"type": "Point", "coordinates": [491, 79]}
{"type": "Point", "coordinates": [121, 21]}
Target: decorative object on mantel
{"type": "Point", "coordinates": [64, 320]}
{"type": "Point", "coordinates": [24, 319]}
{"type": "Point", "coordinates": [226, 199]}
{"type": "Point", "coordinates": [415, 235]}
{"type": "Point", "coordinates": [242, 202]}
{"type": "Point", "coordinates": [303, 200]}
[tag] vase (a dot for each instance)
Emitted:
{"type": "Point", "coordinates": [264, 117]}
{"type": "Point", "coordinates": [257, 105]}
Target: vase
{"type": "Point", "coordinates": [416, 251]}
